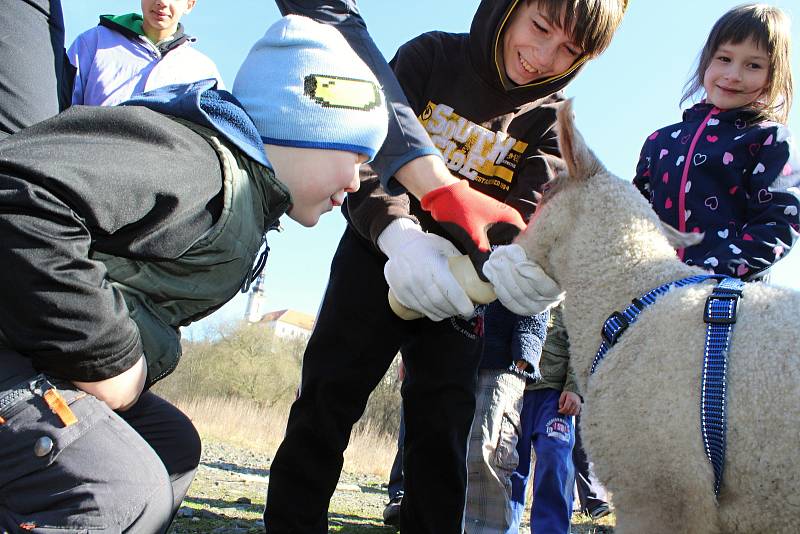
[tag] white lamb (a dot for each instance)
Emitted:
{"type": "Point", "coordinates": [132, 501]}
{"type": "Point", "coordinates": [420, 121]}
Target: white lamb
{"type": "Point", "coordinates": [597, 236]}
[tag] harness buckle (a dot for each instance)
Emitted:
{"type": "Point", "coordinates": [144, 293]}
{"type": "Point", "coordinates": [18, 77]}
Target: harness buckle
{"type": "Point", "coordinates": [724, 314]}
{"type": "Point", "coordinates": [612, 330]}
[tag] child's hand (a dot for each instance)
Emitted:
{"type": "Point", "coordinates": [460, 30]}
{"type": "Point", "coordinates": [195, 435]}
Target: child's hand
{"type": "Point", "coordinates": [467, 215]}
{"type": "Point", "coordinates": [569, 403]}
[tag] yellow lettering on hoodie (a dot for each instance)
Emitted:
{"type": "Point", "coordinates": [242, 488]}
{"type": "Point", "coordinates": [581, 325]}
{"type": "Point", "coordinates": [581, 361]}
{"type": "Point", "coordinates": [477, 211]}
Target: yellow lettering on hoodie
{"type": "Point", "coordinates": [471, 150]}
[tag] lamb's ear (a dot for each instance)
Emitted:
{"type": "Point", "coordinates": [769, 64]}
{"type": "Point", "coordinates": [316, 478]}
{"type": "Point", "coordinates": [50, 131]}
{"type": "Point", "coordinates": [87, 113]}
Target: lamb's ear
{"type": "Point", "coordinates": [678, 239]}
{"type": "Point", "coordinates": [581, 162]}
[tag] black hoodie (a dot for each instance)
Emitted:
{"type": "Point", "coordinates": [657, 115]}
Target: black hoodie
{"type": "Point", "coordinates": [498, 135]}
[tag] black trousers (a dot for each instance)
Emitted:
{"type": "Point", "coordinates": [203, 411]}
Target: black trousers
{"type": "Point", "coordinates": [353, 343]}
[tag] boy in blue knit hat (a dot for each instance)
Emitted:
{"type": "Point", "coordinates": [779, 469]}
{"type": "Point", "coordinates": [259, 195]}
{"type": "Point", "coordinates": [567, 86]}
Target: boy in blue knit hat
{"type": "Point", "coordinates": [338, 108]}
{"type": "Point", "coordinates": [122, 224]}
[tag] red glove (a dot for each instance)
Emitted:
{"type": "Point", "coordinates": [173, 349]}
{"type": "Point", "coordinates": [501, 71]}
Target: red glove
{"type": "Point", "coordinates": [469, 215]}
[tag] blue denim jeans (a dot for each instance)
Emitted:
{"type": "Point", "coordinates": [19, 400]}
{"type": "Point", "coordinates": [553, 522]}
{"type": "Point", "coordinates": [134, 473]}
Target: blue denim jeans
{"type": "Point", "coordinates": [552, 436]}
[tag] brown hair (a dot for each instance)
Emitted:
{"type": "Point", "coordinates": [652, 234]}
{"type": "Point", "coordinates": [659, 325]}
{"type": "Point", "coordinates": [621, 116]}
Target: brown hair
{"type": "Point", "coordinates": [768, 27]}
{"type": "Point", "coordinates": [594, 21]}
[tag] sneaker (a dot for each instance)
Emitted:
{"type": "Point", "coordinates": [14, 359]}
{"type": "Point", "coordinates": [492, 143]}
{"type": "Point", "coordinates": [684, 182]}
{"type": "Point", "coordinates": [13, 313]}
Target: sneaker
{"type": "Point", "coordinates": [391, 514]}
{"type": "Point", "coordinates": [599, 511]}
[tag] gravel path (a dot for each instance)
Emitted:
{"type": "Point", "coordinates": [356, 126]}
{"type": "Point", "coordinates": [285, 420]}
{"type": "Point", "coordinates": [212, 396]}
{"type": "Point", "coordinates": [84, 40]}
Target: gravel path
{"type": "Point", "coordinates": [228, 493]}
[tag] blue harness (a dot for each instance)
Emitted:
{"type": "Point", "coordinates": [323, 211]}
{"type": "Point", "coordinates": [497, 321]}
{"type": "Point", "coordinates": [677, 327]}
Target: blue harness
{"type": "Point", "coordinates": [720, 315]}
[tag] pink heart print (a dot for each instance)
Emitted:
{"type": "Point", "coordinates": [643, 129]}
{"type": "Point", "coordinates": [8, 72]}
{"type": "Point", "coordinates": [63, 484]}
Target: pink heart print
{"type": "Point", "coordinates": [733, 189]}
{"type": "Point", "coordinates": [665, 178]}
{"type": "Point", "coordinates": [787, 170]}
{"type": "Point", "coordinates": [653, 135]}
{"type": "Point", "coordinates": [753, 148]}
{"type": "Point", "coordinates": [747, 237]}
{"type": "Point", "coordinates": [768, 141]}
{"type": "Point", "coordinates": [685, 139]}
{"type": "Point", "coordinates": [764, 196]}
{"type": "Point", "coordinates": [668, 203]}
{"type": "Point", "coordinates": [712, 138]}
{"type": "Point", "coordinates": [712, 203]}
{"type": "Point", "coordinates": [742, 270]}
{"type": "Point", "coordinates": [727, 158]}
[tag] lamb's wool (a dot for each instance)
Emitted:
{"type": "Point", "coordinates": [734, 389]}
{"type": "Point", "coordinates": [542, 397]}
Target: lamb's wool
{"type": "Point", "coordinates": [597, 236]}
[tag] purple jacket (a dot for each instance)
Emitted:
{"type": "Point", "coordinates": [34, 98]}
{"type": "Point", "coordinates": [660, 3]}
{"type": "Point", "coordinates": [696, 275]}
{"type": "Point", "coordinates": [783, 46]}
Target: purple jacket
{"type": "Point", "coordinates": [724, 173]}
{"type": "Point", "coordinates": [115, 62]}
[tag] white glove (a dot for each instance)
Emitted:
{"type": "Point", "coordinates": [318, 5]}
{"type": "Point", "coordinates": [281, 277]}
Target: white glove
{"type": "Point", "coordinates": [521, 285]}
{"type": "Point", "coordinates": [417, 271]}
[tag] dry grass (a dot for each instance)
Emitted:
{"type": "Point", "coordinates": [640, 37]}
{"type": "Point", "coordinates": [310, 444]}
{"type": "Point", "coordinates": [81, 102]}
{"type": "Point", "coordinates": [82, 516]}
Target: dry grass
{"type": "Point", "coordinates": [370, 452]}
{"type": "Point", "coordinates": [243, 423]}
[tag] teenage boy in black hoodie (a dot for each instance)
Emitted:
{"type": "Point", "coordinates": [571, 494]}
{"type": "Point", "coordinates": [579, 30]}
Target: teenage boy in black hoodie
{"type": "Point", "coordinates": [487, 100]}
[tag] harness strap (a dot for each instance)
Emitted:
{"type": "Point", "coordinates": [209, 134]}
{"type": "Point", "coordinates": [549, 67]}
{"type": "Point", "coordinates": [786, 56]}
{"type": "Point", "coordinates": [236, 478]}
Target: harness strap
{"type": "Point", "coordinates": [618, 322]}
{"type": "Point", "coordinates": [720, 315]}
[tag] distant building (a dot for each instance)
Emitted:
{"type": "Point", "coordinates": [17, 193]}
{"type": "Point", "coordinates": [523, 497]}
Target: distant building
{"type": "Point", "coordinates": [284, 323]}
{"type": "Point", "coordinates": [256, 301]}
{"type": "Point", "coordinates": [288, 323]}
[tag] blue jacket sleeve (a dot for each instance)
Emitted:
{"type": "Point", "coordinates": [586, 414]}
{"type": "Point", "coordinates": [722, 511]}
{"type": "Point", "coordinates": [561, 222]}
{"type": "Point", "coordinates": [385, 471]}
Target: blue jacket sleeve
{"type": "Point", "coordinates": [528, 338]}
{"type": "Point", "coordinates": [773, 211]}
{"type": "Point", "coordinates": [406, 139]}
{"type": "Point", "coordinates": [642, 178]}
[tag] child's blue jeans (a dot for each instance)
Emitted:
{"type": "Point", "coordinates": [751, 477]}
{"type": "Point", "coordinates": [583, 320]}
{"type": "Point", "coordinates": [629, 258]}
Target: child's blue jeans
{"type": "Point", "coordinates": [552, 436]}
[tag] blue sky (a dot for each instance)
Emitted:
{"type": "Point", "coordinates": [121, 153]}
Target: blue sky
{"type": "Point", "coordinates": [620, 98]}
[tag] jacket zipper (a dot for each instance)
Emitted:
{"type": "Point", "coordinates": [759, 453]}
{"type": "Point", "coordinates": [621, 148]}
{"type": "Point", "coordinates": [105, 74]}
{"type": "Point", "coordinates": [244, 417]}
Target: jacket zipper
{"type": "Point", "coordinates": [685, 175]}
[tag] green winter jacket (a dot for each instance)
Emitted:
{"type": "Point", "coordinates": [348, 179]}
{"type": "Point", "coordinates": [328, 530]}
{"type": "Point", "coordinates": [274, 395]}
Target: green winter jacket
{"type": "Point", "coordinates": [554, 366]}
{"type": "Point", "coordinates": [161, 296]}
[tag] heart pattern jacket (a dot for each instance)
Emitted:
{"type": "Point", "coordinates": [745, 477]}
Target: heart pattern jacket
{"type": "Point", "coordinates": [733, 177]}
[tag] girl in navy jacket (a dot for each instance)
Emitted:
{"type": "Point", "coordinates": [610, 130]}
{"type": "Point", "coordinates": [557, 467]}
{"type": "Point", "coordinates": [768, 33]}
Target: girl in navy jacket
{"type": "Point", "coordinates": [729, 169]}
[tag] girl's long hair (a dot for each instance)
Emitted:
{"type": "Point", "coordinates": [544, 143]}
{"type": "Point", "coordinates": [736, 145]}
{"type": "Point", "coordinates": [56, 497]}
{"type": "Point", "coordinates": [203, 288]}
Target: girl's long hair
{"type": "Point", "coordinates": [768, 27]}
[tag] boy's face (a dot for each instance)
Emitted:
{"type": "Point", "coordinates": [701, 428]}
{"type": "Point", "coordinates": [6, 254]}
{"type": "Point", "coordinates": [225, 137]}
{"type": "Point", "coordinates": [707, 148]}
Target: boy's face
{"type": "Point", "coordinates": [164, 15]}
{"type": "Point", "coordinates": [535, 47]}
{"type": "Point", "coordinates": [737, 75]}
{"type": "Point", "coordinates": [317, 179]}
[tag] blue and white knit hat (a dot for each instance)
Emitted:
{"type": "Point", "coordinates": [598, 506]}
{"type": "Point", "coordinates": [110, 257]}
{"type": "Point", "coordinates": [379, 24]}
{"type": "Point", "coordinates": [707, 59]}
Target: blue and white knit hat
{"type": "Point", "coordinates": [304, 86]}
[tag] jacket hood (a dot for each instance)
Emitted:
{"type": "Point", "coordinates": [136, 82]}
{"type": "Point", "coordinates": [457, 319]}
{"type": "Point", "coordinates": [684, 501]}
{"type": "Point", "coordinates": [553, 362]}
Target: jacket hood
{"type": "Point", "coordinates": [130, 25]}
{"type": "Point", "coordinates": [486, 53]}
